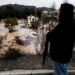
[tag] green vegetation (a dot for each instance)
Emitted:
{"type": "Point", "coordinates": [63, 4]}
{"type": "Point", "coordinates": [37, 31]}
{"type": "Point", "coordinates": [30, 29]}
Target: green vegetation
{"type": "Point", "coordinates": [51, 15]}
{"type": "Point", "coordinates": [19, 11]}
{"type": "Point", "coordinates": [10, 22]}
{"type": "Point", "coordinates": [45, 19]}
{"type": "Point", "coordinates": [35, 25]}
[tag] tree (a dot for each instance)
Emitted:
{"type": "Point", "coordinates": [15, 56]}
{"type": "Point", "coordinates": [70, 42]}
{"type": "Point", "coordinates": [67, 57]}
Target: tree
{"type": "Point", "coordinates": [10, 22]}
{"type": "Point", "coordinates": [45, 18]}
{"type": "Point", "coordinates": [52, 13]}
{"type": "Point", "coordinates": [35, 24]}
{"type": "Point", "coordinates": [19, 11]}
{"type": "Point", "coordinates": [10, 11]}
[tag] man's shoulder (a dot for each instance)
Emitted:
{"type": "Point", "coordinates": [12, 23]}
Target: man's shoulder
{"type": "Point", "coordinates": [73, 22]}
{"type": "Point", "coordinates": [47, 34]}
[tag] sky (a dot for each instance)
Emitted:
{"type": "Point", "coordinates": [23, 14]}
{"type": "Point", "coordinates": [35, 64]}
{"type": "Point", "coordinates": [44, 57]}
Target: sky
{"type": "Point", "coordinates": [37, 3]}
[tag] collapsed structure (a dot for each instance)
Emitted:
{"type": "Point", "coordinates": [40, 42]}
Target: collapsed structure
{"type": "Point", "coordinates": [25, 41]}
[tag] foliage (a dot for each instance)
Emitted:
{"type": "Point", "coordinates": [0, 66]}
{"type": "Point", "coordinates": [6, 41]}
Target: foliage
{"type": "Point", "coordinates": [10, 22]}
{"type": "Point", "coordinates": [45, 18]}
{"type": "Point", "coordinates": [50, 15]}
{"type": "Point", "coordinates": [35, 24]}
{"type": "Point", "coordinates": [53, 15]}
{"type": "Point", "coordinates": [19, 11]}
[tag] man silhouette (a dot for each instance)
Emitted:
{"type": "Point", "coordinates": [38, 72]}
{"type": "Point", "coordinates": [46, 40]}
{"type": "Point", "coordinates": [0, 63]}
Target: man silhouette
{"type": "Point", "coordinates": [61, 40]}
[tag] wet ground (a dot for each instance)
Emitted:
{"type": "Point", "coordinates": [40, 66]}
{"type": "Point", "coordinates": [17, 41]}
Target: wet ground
{"type": "Point", "coordinates": [29, 63]}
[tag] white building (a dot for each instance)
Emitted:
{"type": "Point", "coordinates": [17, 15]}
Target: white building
{"type": "Point", "coordinates": [44, 12]}
{"type": "Point", "coordinates": [31, 19]}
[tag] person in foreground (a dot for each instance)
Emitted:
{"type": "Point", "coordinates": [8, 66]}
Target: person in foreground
{"type": "Point", "coordinates": [61, 40]}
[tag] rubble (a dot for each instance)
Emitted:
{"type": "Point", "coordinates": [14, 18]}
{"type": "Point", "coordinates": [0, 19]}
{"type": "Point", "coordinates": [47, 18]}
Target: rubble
{"type": "Point", "coordinates": [25, 41]}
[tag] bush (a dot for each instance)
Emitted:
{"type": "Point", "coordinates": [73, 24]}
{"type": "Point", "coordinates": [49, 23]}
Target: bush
{"type": "Point", "coordinates": [35, 24]}
{"type": "Point", "coordinates": [45, 18]}
{"type": "Point", "coordinates": [10, 22]}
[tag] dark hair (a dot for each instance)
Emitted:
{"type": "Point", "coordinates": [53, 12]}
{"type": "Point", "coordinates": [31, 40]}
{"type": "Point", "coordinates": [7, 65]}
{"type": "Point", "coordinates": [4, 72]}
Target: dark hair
{"type": "Point", "coordinates": [66, 12]}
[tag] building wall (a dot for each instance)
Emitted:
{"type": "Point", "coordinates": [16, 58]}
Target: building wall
{"type": "Point", "coordinates": [31, 19]}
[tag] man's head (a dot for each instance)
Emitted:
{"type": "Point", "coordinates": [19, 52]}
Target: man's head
{"type": "Point", "coordinates": [66, 12]}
